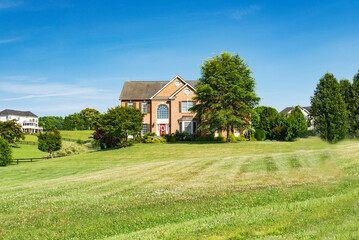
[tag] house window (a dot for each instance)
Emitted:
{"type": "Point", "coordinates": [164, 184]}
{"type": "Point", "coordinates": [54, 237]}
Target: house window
{"type": "Point", "coordinates": [188, 126]}
{"type": "Point", "coordinates": [144, 129]}
{"type": "Point", "coordinates": [186, 106]}
{"type": "Point", "coordinates": [144, 107]}
{"type": "Point", "coordinates": [162, 112]}
{"type": "Point", "coordinates": [130, 104]}
{"type": "Point", "coordinates": [177, 83]}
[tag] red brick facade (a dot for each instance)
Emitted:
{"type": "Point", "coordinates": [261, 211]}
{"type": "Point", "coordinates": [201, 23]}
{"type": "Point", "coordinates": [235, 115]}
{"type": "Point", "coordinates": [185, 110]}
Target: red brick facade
{"type": "Point", "coordinates": [174, 98]}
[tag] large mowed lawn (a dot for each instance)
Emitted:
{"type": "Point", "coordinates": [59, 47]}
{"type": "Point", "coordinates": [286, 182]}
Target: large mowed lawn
{"type": "Point", "coordinates": [262, 190]}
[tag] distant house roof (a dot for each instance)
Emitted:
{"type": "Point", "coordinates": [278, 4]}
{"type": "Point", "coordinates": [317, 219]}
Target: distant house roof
{"type": "Point", "coordinates": [139, 90]}
{"type": "Point", "coordinates": [288, 109]}
{"type": "Point", "coordinates": [8, 112]}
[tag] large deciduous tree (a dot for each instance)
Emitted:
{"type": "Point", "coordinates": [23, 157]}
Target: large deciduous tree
{"type": "Point", "coordinates": [90, 117]}
{"type": "Point", "coordinates": [116, 125]}
{"type": "Point", "coordinates": [11, 131]}
{"type": "Point", "coordinates": [329, 109]}
{"type": "Point", "coordinates": [50, 142]}
{"type": "Point", "coordinates": [225, 94]}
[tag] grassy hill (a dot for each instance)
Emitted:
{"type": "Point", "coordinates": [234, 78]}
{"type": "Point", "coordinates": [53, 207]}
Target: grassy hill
{"type": "Point", "coordinates": [263, 190]}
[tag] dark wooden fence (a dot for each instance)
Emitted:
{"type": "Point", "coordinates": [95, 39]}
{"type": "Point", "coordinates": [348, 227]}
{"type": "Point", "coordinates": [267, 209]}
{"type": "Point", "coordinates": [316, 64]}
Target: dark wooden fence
{"type": "Point", "coordinates": [33, 159]}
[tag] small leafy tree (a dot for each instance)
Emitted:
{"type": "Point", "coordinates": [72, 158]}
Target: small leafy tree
{"type": "Point", "coordinates": [225, 94]}
{"type": "Point", "coordinates": [329, 109]}
{"type": "Point", "coordinates": [11, 131]}
{"type": "Point", "coordinates": [5, 153]}
{"type": "Point", "coordinates": [50, 142]}
{"type": "Point", "coordinates": [114, 127]}
{"type": "Point", "coordinates": [90, 117]}
{"type": "Point", "coordinates": [267, 117]}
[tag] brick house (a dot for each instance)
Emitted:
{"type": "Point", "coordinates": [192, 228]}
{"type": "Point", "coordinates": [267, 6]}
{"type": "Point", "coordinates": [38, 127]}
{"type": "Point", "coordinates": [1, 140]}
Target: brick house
{"type": "Point", "coordinates": [165, 104]}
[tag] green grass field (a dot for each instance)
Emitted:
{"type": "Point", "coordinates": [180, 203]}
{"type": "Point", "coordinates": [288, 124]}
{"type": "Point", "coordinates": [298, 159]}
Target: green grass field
{"type": "Point", "coordinates": [83, 135]}
{"type": "Point", "coordinates": [26, 151]}
{"type": "Point", "coordinates": [261, 190]}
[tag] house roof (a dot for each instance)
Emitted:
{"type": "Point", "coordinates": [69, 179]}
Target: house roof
{"type": "Point", "coordinates": [288, 109]}
{"type": "Point", "coordinates": [140, 90]}
{"type": "Point", "coordinates": [8, 112]}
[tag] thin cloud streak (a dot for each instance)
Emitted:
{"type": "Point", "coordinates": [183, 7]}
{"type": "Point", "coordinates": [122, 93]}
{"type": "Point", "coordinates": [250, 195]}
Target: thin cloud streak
{"type": "Point", "coordinates": [5, 4]}
{"type": "Point", "coordinates": [241, 13]}
{"type": "Point", "coordinates": [11, 40]}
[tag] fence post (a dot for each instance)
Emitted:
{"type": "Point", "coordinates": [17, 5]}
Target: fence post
{"type": "Point", "coordinates": [17, 161]}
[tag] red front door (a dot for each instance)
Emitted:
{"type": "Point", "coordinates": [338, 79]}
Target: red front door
{"type": "Point", "coordinates": [162, 129]}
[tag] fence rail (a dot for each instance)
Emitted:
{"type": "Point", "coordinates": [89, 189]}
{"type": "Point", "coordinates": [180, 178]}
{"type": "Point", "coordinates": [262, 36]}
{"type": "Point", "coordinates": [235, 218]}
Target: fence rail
{"type": "Point", "coordinates": [32, 159]}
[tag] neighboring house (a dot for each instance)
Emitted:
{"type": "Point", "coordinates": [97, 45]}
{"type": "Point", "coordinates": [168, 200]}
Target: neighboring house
{"type": "Point", "coordinates": [305, 111]}
{"type": "Point", "coordinates": [165, 104]}
{"type": "Point", "coordinates": [28, 121]}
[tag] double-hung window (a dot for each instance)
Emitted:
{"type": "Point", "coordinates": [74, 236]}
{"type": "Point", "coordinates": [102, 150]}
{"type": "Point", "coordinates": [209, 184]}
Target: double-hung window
{"type": "Point", "coordinates": [144, 107]}
{"type": "Point", "coordinates": [186, 106]}
{"type": "Point", "coordinates": [144, 129]}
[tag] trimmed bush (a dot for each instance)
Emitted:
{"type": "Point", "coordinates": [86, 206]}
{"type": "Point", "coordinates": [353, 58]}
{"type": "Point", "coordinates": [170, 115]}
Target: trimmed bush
{"type": "Point", "coordinates": [220, 138]}
{"type": "Point", "coordinates": [148, 139]}
{"type": "Point", "coordinates": [5, 153]}
{"type": "Point", "coordinates": [242, 138]}
{"type": "Point", "coordinates": [205, 138]}
{"type": "Point", "coordinates": [156, 140]}
{"type": "Point", "coordinates": [148, 134]}
{"type": "Point", "coordinates": [70, 148]}
{"type": "Point", "coordinates": [163, 140]}
{"type": "Point", "coordinates": [260, 135]}
{"type": "Point", "coordinates": [232, 138]}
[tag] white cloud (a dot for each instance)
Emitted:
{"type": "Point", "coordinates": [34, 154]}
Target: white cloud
{"type": "Point", "coordinates": [47, 91]}
{"type": "Point", "coordinates": [240, 13]}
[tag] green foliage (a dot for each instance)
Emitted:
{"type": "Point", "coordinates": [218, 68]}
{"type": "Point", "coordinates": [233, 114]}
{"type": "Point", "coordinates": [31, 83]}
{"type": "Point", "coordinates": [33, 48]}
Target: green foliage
{"type": "Point", "coordinates": [279, 133]}
{"type": "Point", "coordinates": [353, 108]}
{"type": "Point", "coordinates": [260, 135]}
{"type": "Point", "coordinates": [185, 136]}
{"type": "Point", "coordinates": [148, 139]}
{"type": "Point", "coordinates": [252, 138]}
{"type": "Point", "coordinates": [163, 140]}
{"type": "Point", "coordinates": [329, 110]}
{"type": "Point", "coordinates": [5, 152]}
{"type": "Point", "coordinates": [79, 142]}
{"type": "Point", "coordinates": [74, 122]}
{"type": "Point", "coordinates": [296, 125]}
{"type": "Point", "coordinates": [266, 118]}
{"type": "Point", "coordinates": [116, 125]}
{"type": "Point", "coordinates": [220, 138]}
{"type": "Point", "coordinates": [206, 138]}
{"type": "Point", "coordinates": [11, 131]}
{"type": "Point", "coordinates": [242, 138]}
{"type": "Point", "coordinates": [70, 148]}
{"type": "Point", "coordinates": [90, 117]}
{"type": "Point", "coordinates": [51, 122]}
{"type": "Point", "coordinates": [225, 94]}
{"type": "Point", "coordinates": [232, 138]}
{"type": "Point", "coordinates": [50, 142]}
{"type": "Point", "coordinates": [148, 134]}
{"type": "Point", "coordinates": [156, 140]}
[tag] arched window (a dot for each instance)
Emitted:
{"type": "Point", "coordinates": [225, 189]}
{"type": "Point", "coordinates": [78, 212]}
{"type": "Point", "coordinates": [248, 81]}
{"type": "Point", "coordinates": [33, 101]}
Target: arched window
{"type": "Point", "coordinates": [162, 112]}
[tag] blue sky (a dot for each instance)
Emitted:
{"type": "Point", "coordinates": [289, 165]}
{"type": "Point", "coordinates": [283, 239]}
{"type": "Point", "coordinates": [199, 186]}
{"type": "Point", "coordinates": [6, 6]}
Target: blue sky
{"type": "Point", "coordinates": [59, 56]}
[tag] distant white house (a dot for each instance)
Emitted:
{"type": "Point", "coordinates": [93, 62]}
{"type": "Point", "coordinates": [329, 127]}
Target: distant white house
{"type": "Point", "coordinates": [28, 121]}
{"type": "Point", "coordinates": [305, 111]}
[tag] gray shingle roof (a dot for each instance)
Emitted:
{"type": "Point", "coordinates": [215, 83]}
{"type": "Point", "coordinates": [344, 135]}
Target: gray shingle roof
{"type": "Point", "coordinates": [139, 90]}
{"type": "Point", "coordinates": [7, 112]}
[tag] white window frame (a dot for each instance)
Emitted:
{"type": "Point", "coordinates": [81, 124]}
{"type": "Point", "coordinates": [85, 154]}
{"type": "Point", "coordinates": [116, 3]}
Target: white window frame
{"type": "Point", "coordinates": [142, 105]}
{"type": "Point", "coordinates": [160, 115]}
{"type": "Point", "coordinates": [128, 104]}
{"type": "Point", "coordinates": [186, 109]}
{"type": "Point", "coordinates": [182, 126]}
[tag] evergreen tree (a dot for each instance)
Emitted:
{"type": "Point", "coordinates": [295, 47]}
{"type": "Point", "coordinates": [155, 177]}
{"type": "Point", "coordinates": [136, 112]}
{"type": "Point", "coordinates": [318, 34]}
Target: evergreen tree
{"type": "Point", "coordinates": [5, 152]}
{"type": "Point", "coordinates": [225, 94]}
{"type": "Point", "coordinates": [296, 124]}
{"type": "Point", "coordinates": [329, 109]}
{"type": "Point", "coordinates": [354, 107]}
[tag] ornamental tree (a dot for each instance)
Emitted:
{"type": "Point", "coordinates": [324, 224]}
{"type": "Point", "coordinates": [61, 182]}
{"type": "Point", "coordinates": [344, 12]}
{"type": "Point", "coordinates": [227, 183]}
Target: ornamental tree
{"type": "Point", "coordinates": [116, 125]}
{"type": "Point", "coordinates": [329, 109]}
{"type": "Point", "coordinates": [225, 94]}
{"type": "Point", "coordinates": [50, 142]}
{"type": "Point", "coordinates": [11, 131]}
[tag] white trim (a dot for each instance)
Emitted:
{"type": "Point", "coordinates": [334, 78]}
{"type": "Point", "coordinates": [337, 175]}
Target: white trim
{"type": "Point", "coordinates": [177, 77]}
{"type": "Point", "coordinates": [179, 90]}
